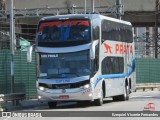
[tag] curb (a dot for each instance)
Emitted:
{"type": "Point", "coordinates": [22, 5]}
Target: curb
{"type": "Point", "coordinates": [21, 107]}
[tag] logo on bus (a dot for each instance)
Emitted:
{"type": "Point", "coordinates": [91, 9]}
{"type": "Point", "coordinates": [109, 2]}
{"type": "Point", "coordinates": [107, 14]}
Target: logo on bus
{"type": "Point", "coordinates": [119, 48]}
{"type": "Point", "coordinates": [108, 48]}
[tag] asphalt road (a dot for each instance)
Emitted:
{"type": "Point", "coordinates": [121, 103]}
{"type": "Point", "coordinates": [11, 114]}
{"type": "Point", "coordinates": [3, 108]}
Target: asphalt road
{"type": "Point", "coordinates": [138, 102]}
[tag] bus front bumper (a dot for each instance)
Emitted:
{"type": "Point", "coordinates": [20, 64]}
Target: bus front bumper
{"type": "Point", "coordinates": [77, 94]}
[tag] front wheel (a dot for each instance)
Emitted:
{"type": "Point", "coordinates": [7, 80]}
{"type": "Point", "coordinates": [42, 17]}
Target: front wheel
{"type": "Point", "coordinates": [52, 104]}
{"type": "Point", "coordinates": [116, 98]}
{"type": "Point", "coordinates": [125, 96]}
{"type": "Point", "coordinates": [99, 102]}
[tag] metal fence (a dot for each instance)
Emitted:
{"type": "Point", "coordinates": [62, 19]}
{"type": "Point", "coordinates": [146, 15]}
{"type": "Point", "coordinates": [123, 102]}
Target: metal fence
{"type": "Point", "coordinates": [145, 45]}
{"type": "Point", "coordinates": [25, 74]}
{"type": "Point", "coordinates": [147, 70]}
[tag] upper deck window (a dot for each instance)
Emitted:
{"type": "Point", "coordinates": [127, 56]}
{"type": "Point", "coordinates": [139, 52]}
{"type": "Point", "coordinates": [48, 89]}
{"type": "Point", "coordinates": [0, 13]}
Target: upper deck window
{"type": "Point", "coordinates": [116, 31]}
{"type": "Point", "coordinates": [64, 31]}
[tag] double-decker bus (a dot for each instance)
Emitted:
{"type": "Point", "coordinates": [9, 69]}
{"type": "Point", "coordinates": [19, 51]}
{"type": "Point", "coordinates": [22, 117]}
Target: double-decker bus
{"type": "Point", "coordinates": [84, 57]}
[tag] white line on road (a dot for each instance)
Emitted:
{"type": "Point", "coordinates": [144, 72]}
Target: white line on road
{"type": "Point", "coordinates": [141, 96]}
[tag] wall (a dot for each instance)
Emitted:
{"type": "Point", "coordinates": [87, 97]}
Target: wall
{"type": "Point", "coordinates": [129, 5]}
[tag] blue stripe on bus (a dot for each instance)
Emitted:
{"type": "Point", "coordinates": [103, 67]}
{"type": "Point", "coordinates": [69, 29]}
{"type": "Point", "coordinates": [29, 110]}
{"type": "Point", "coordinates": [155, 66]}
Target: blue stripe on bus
{"type": "Point", "coordinates": [131, 69]}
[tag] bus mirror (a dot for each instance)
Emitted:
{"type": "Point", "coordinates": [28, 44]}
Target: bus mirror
{"type": "Point", "coordinates": [29, 53]}
{"type": "Point", "coordinates": [102, 40]}
{"type": "Point", "coordinates": [92, 49]}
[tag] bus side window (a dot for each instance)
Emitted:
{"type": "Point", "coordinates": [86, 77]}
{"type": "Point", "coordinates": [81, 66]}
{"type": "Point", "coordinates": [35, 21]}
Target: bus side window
{"type": "Point", "coordinates": [113, 65]}
{"type": "Point", "coordinates": [97, 58]}
{"type": "Point", "coordinates": [95, 29]}
{"type": "Point", "coordinates": [96, 36]}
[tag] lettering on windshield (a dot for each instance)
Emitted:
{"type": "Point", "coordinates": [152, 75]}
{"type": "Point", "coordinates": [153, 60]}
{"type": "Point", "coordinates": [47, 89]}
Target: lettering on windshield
{"type": "Point", "coordinates": [63, 81]}
{"type": "Point", "coordinates": [61, 31]}
{"type": "Point", "coordinates": [66, 23]}
{"type": "Point", "coordinates": [49, 56]}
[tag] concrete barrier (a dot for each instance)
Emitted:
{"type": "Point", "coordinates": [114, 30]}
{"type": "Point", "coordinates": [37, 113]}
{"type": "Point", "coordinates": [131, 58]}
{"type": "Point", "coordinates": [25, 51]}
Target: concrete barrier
{"type": "Point", "coordinates": [148, 86]}
{"type": "Point", "coordinates": [16, 97]}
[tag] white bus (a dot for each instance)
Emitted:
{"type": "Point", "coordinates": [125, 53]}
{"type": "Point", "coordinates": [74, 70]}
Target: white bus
{"type": "Point", "coordinates": [84, 57]}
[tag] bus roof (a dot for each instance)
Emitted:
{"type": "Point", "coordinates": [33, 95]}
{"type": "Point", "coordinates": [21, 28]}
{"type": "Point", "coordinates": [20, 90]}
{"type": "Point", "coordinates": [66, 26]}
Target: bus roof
{"type": "Point", "coordinates": [83, 16]}
{"type": "Point", "coordinates": [115, 20]}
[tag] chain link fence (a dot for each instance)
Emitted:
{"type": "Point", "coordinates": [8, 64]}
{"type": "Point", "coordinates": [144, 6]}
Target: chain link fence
{"type": "Point", "coordinates": [145, 45]}
{"type": "Point", "coordinates": [147, 67]}
{"type": "Point", "coordinates": [24, 74]}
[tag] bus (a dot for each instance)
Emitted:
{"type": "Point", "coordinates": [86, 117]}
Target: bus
{"type": "Point", "coordinates": [84, 57]}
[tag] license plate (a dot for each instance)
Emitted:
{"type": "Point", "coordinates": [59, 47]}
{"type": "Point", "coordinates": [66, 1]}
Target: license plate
{"type": "Point", "coordinates": [64, 97]}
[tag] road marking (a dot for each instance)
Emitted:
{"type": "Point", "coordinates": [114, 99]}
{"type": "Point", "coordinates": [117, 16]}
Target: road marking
{"type": "Point", "coordinates": [141, 96]}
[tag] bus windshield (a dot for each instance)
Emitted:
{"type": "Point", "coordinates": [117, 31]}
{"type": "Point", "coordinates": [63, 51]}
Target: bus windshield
{"type": "Point", "coordinates": [64, 31]}
{"type": "Point", "coordinates": [64, 65]}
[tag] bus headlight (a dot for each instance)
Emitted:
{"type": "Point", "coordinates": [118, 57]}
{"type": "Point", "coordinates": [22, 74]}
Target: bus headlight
{"type": "Point", "coordinates": [86, 86]}
{"type": "Point", "coordinates": [39, 97]}
{"type": "Point", "coordinates": [41, 88]}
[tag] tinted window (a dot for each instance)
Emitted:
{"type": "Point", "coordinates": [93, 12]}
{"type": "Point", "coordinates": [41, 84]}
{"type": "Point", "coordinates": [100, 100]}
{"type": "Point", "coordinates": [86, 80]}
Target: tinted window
{"type": "Point", "coordinates": [97, 58]}
{"type": "Point", "coordinates": [116, 31]}
{"type": "Point", "coordinates": [113, 65]}
{"type": "Point", "coordinates": [64, 65]}
{"type": "Point", "coordinates": [70, 31]}
{"type": "Point", "coordinates": [95, 29]}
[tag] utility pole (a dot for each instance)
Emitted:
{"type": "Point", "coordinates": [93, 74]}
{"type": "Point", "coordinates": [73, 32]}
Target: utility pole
{"type": "Point", "coordinates": [156, 28]}
{"type": "Point", "coordinates": [92, 5]}
{"type": "Point", "coordinates": [12, 44]}
{"type": "Point", "coordinates": [118, 9]}
{"type": "Point", "coordinates": [85, 5]}
{"type": "Point", "coordinates": [147, 42]}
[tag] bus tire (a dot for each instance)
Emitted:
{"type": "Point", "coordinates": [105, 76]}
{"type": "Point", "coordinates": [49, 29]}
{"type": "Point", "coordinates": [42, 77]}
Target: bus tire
{"type": "Point", "coordinates": [52, 104]}
{"type": "Point", "coordinates": [99, 102]}
{"type": "Point", "coordinates": [84, 103]}
{"type": "Point", "coordinates": [125, 96]}
{"type": "Point", "coordinates": [116, 98]}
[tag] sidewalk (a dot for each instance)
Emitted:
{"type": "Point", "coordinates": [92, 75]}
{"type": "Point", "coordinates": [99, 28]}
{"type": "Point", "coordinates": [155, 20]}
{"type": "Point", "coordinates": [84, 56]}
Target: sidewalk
{"type": "Point", "coordinates": [25, 104]}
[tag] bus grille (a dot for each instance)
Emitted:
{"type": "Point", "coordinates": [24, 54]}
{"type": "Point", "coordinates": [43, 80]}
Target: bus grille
{"type": "Point", "coordinates": [64, 86]}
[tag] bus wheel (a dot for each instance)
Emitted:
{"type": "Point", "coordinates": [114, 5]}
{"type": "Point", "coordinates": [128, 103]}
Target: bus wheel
{"type": "Point", "coordinates": [52, 104]}
{"type": "Point", "coordinates": [99, 102]}
{"type": "Point", "coordinates": [125, 96]}
{"type": "Point", "coordinates": [84, 103]}
{"type": "Point", "coordinates": [116, 98]}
